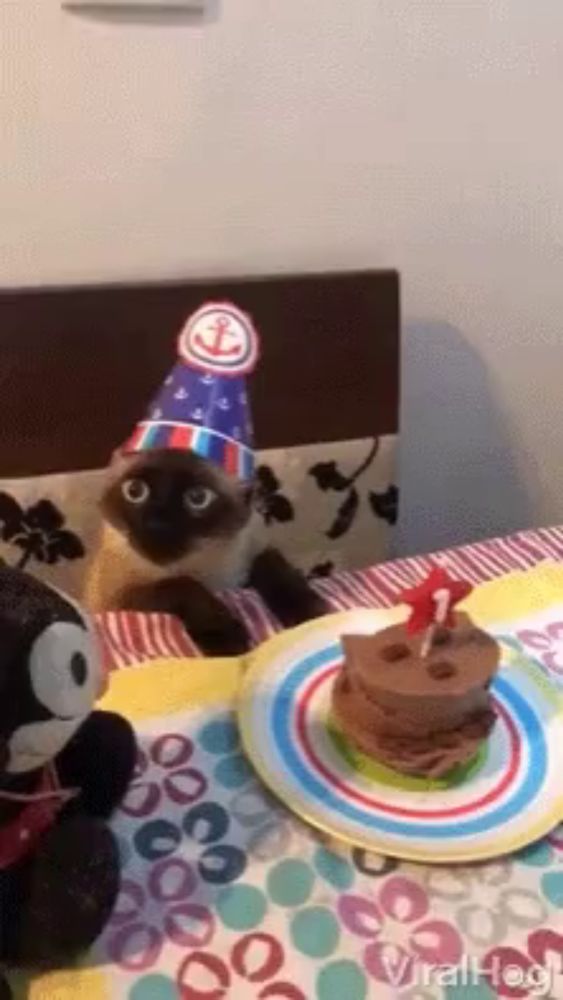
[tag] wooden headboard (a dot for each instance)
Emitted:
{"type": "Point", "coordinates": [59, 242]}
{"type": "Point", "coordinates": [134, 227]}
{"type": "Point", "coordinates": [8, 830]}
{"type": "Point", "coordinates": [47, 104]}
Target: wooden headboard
{"type": "Point", "coordinates": [78, 366]}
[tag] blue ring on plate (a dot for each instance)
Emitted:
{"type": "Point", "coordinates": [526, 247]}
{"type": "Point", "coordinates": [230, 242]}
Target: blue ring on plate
{"type": "Point", "coordinates": [281, 714]}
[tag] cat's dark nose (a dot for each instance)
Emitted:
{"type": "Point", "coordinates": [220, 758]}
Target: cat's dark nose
{"type": "Point", "coordinates": [158, 519]}
{"type": "Point", "coordinates": [160, 525]}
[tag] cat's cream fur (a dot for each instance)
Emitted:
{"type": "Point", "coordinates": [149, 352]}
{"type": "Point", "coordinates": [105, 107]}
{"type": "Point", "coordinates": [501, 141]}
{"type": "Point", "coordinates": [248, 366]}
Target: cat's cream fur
{"type": "Point", "coordinates": [217, 563]}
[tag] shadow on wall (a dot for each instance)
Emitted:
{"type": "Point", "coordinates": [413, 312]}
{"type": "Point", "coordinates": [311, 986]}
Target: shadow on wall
{"type": "Point", "coordinates": [458, 472]}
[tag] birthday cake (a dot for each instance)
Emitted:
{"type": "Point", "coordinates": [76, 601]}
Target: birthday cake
{"type": "Point", "coordinates": [419, 706]}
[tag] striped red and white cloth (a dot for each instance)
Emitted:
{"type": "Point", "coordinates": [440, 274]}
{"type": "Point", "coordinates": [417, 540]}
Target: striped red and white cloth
{"type": "Point", "coordinates": [130, 638]}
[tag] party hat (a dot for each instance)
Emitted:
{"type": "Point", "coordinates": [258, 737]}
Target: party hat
{"type": "Point", "coordinates": [203, 405]}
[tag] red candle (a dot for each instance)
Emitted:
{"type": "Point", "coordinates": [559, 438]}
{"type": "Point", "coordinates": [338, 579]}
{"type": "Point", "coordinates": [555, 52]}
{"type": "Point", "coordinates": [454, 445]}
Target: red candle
{"type": "Point", "coordinates": [432, 603]}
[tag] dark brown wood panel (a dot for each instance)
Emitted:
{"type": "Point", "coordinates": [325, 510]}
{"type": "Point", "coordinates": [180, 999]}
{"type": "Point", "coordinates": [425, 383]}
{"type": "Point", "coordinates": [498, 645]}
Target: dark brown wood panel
{"type": "Point", "coordinates": [78, 366]}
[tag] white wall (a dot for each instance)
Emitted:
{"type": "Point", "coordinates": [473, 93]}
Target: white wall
{"type": "Point", "coordinates": [424, 134]}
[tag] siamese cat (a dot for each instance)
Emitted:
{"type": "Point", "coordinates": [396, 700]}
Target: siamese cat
{"type": "Point", "coordinates": [177, 529]}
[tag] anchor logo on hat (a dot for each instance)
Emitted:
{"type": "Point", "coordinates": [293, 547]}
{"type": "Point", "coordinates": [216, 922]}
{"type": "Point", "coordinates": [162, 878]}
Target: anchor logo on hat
{"type": "Point", "coordinates": [203, 405]}
{"type": "Point", "coordinates": [221, 328]}
{"type": "Point", "coordinates": [219, 339]}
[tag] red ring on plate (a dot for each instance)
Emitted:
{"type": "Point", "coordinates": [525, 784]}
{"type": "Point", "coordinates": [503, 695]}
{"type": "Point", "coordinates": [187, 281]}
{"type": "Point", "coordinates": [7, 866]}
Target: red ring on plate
{"type": "Point", "coordinates": [335, 782]}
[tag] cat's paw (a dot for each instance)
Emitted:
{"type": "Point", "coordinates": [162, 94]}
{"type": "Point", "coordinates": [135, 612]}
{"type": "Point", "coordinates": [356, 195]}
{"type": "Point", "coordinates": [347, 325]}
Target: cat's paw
{"type": "Point", "coordinates": [229, 638]}
{"type": "Point", "coordinates": [284, 589]}
{"type": "Point", "coordinates": [316, 606]}
{"type": "Point", "coordinates": [304, 608]}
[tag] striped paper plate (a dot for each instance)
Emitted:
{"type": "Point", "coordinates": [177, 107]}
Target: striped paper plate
{"type": "Point", "coordinates": [510, 795]}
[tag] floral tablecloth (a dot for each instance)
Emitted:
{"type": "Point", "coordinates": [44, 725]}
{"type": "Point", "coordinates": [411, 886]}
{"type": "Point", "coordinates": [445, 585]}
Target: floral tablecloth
{"type": "Point", "coordinates": [226, 895]}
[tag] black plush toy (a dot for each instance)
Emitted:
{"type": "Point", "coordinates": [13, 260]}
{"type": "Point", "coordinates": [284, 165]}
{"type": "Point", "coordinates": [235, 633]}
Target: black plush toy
{"type": "Point", "coordinates": [63, 770]}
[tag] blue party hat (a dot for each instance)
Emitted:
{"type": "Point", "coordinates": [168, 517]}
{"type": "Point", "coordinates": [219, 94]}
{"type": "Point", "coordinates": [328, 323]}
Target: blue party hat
{"type": "Point", "coordinates": [203, 405]}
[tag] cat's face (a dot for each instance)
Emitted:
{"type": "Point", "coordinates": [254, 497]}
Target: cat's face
{"type": "Point", "coordinates": [169, 502]}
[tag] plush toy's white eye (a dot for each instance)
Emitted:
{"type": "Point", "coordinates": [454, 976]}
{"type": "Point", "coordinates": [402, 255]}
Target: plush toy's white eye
{"type": "Point", "coordinates": [135, 491]}
{"type": "Point", "coordinates": [64, 670]}
{"type": "Point", "coordinates": [199, 498]}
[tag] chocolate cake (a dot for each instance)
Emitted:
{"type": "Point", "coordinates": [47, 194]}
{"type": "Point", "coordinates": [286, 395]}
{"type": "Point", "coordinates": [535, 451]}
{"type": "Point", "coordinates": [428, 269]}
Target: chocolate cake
{"type": "Point", "coordinates": [418, 715]}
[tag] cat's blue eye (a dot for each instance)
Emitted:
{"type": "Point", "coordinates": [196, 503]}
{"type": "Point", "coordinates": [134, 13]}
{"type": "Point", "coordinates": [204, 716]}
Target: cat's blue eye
{"type": "Point", "coordinates": [198, 498]}
{"type": "Point", "coordinates": [135, 491]}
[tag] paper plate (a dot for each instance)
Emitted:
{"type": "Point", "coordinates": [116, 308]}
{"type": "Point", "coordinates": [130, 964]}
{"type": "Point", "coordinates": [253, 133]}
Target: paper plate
{"type": "Point", "coordinates": [510, 795]}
